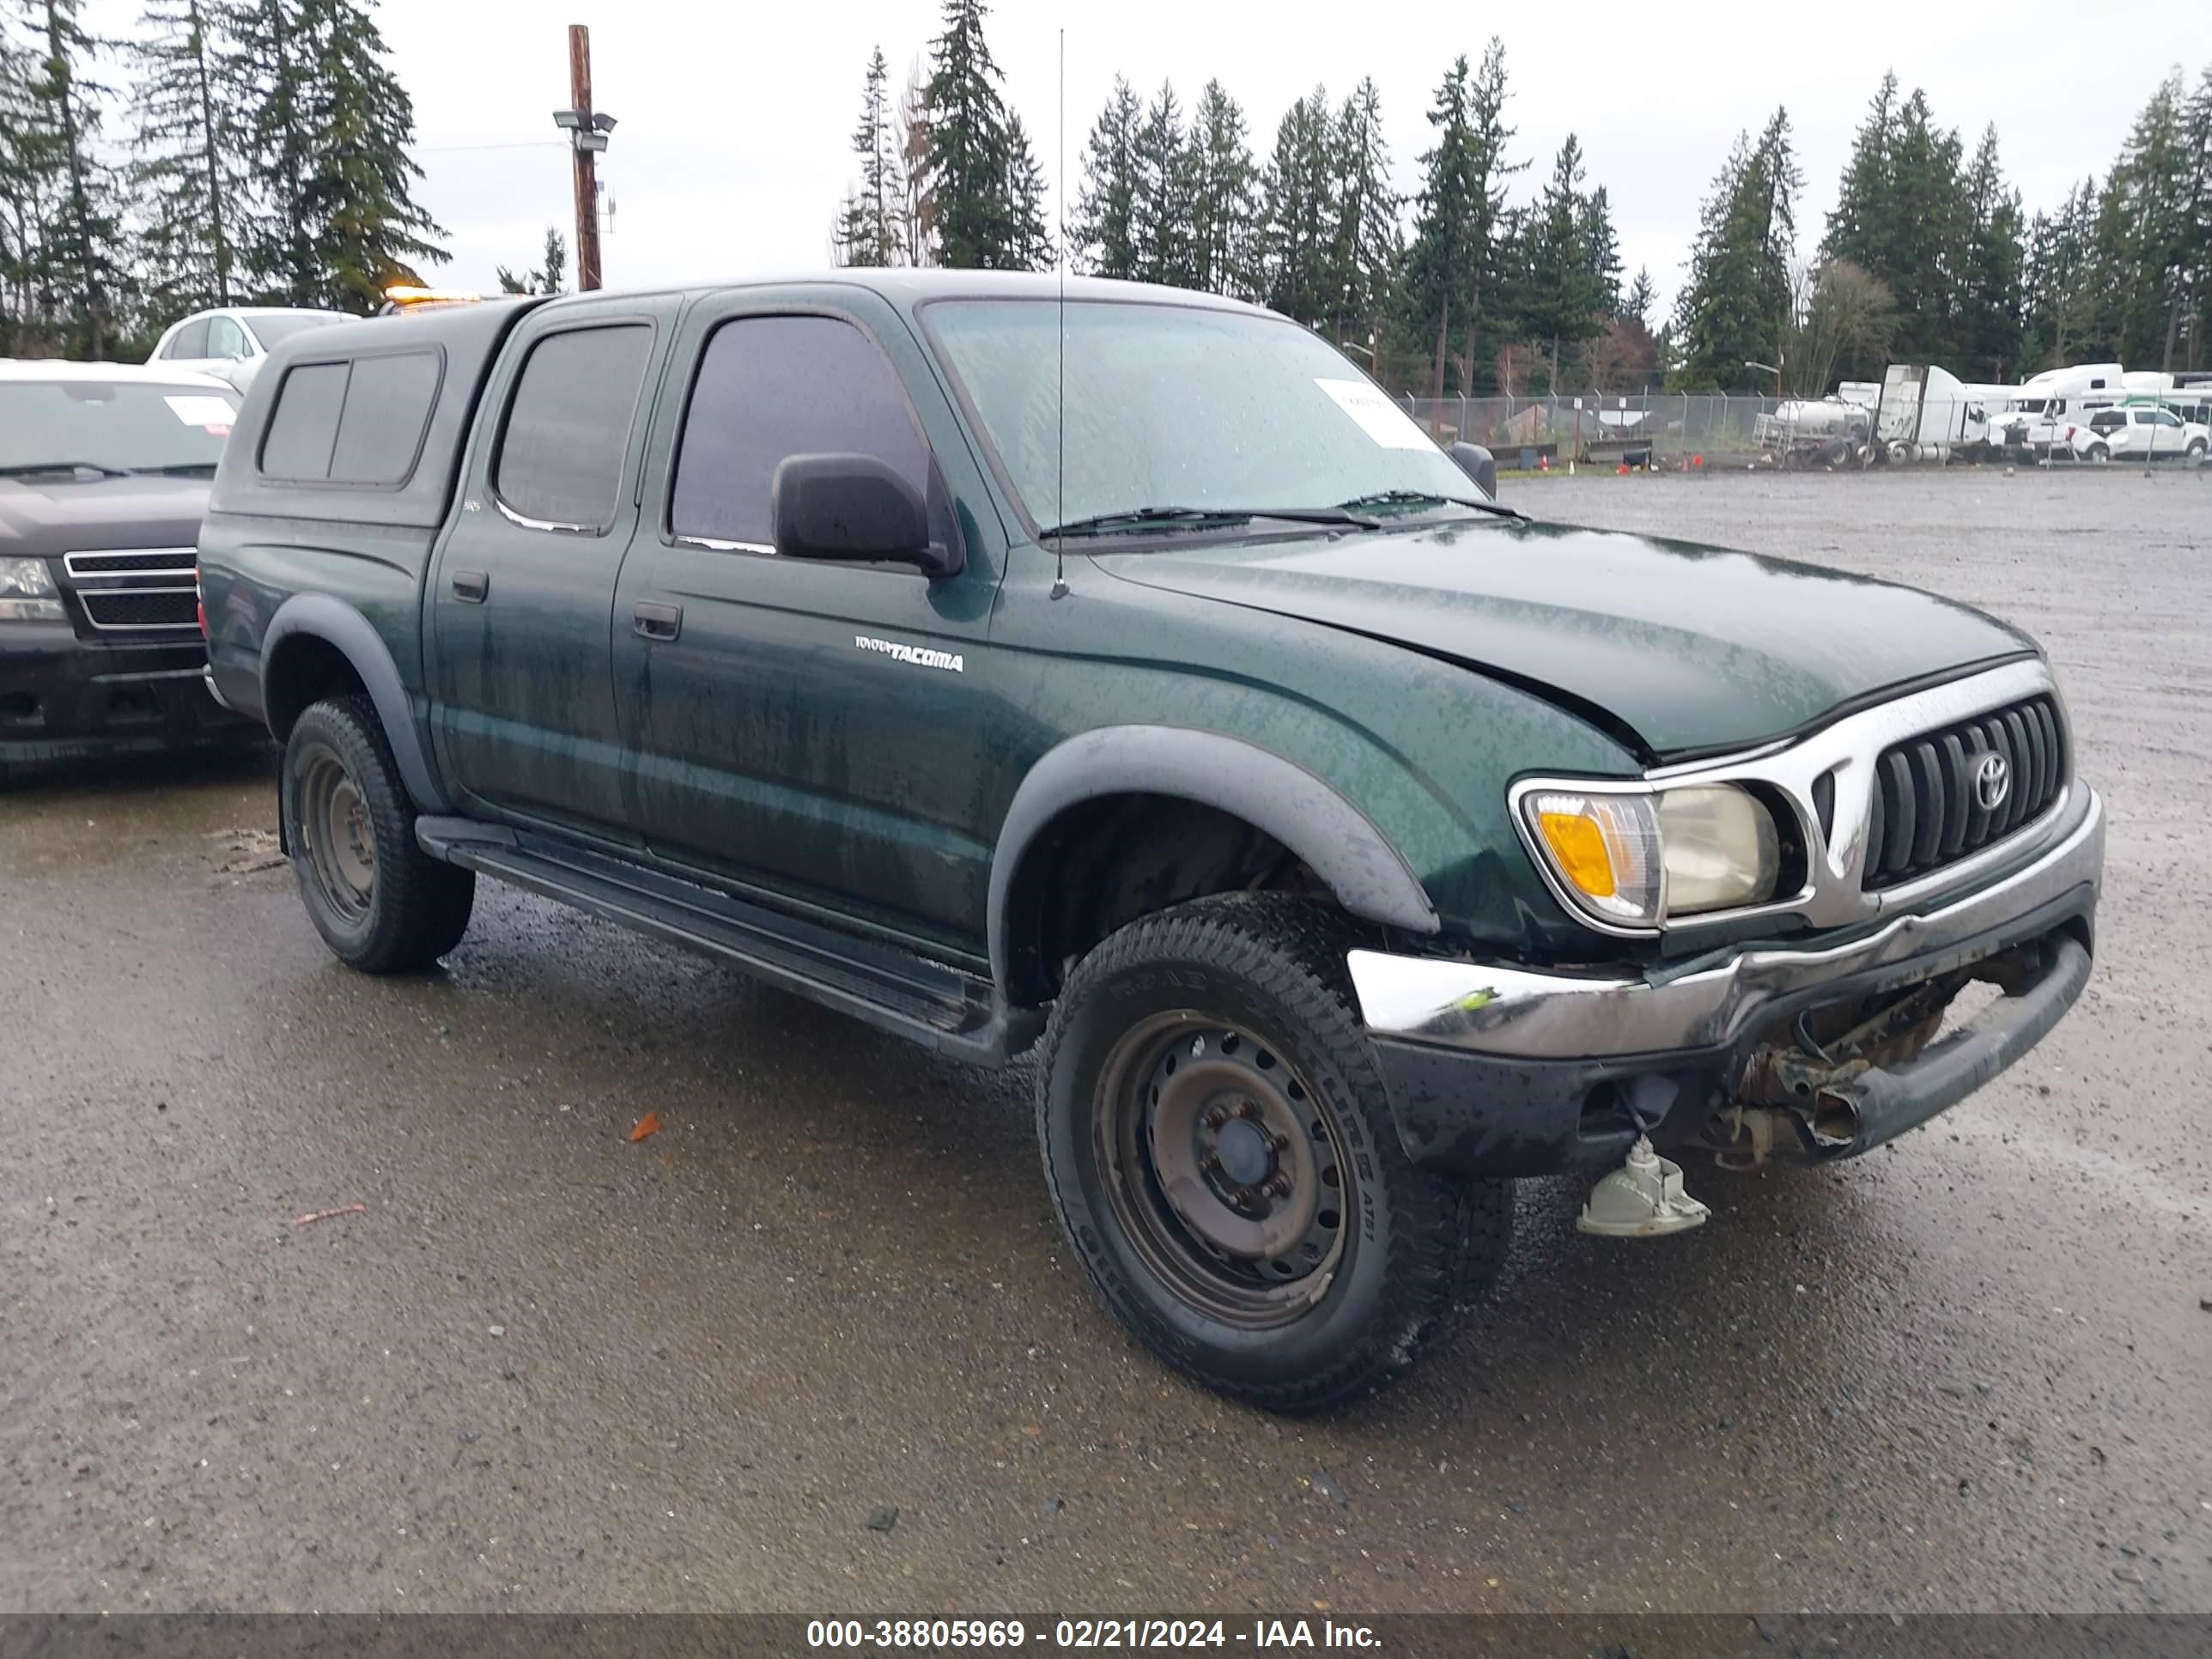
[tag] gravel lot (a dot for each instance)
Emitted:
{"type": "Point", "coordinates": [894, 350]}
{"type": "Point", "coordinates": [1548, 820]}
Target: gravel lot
{"type": "Point", "coordinates": [547, 1368]}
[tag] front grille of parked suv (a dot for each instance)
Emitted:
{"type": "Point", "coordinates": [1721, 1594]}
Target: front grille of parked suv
{"type": "Point", "coordinates": [1929, 790]}
{"type": "Point", "coordinates": [132, 590]}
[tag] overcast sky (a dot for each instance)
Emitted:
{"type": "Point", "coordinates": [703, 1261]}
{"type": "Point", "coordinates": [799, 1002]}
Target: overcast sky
{"type": "Point", "coordinates": [732, 148]}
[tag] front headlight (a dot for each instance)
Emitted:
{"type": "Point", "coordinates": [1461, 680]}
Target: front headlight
{"type": "Point", "coordinates": [1636, 859]}
{"type": "Point", "coordinates": [1722, 849]}
{"type": "Point", "coordinates": [27, 593]}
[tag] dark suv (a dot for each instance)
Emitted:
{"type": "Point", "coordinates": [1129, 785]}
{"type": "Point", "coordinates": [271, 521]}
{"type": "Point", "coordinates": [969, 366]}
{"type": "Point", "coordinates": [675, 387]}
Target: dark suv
{"type": "Point", "coordinates": [104, 473]}
{"type": "Point", "coordinates": [1126, 671]}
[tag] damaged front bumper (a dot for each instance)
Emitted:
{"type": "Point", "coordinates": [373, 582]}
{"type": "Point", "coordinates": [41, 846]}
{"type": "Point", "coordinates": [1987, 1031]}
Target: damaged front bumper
{"type": "Point", "coordinates": [1501, 1070]}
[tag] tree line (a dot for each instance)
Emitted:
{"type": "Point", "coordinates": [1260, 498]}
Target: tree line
{"type": "Point", "coordinates": [263, 156]}
{"type": "Point", "coordinates": [1471, 285]}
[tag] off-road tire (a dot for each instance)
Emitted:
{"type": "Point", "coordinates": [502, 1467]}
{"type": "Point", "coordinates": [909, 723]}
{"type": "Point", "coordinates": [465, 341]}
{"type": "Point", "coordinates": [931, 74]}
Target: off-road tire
{"type": "Point", "coordinates": [1416, 1244]}
{"type": "Point", "coordinates": [415, 907]}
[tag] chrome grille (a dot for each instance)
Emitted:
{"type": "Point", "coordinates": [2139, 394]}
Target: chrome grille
{"type": "Point", "coordinates": [131, 589]}
{"type": "Point", "coordinates": [1929, 800]}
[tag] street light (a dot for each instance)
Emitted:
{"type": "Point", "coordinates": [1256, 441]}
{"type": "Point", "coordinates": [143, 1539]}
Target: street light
{"type": "Point", "coordinates": [1767, 368]}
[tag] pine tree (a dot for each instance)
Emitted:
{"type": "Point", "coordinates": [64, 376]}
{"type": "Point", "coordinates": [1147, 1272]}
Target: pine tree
{"type": "Point", "coordinates": [2060, 284]}
{"type": "Point", "coordinates": [1989, 327]}
{"type": "Point", "coordinates": [1223, 180]}
{"type": "Point", "coordinates": [970, 154]}
{"type": "Point", "coordinates": [1601, 251]}
{"type": "Point", "coordinates": [1567, 294]}
{"type": "Point", "coordinates": [186, 175]}
{"type": "Point", "coordinates": [268, 57]}
{"type": "Point", "coordinates": [868, 228]}
{"type": "Point", "coordinates": [369, 231]}
{"type": "Point", "coordinates": [1029, 238]}
{"type": "Point", "coordinates": [1736, 305]}
{"type": "Point", "coordinates": [1862, 224]}
{"type": "Point", "coordinates": [1105, 214]}
{"type": "Point", "coordinates": [1367, 245]}
{"type": "Point", "coordinates": [328, 131]}
{"type": "Point", "coordinates": [72, 253]}
{"type": "Point", "coordinates": [1904, 216]}
{"type": "Point", "coordinates": [1160, 213]}
{"type": "Point", "coordinates": [552, 271]}
{"type": "Point", "coordinates": [1297, 212]}
{"type": "Point", "coordinates": [1456, 249]}
{"type": "Point", "coordinates": [2194, 316]}
{"type": "Point", "coordinates": [917, 213]}
{"type": "Point", "coordinates": [1446, 256]}
{"type": "Point", "coordinates": [2149, 247]}
{"type": "Point", "coordinates": [18, 211]}
{"type": "Point", "coordinates": [1637, 304]}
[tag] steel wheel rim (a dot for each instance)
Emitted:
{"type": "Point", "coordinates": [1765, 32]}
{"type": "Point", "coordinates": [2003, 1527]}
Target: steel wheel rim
{"type": "Point", "coordinates": [339, 839]}
{"type": "Point", "coordinates": [1224, 1168]}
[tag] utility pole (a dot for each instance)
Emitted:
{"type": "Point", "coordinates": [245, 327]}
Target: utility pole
{"type": "Point", "coordinates": [587, 132]}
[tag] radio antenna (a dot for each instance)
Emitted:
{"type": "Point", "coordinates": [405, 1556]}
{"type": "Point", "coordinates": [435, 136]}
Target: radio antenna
{"type": "Point", "coordinates": [1060, 332]}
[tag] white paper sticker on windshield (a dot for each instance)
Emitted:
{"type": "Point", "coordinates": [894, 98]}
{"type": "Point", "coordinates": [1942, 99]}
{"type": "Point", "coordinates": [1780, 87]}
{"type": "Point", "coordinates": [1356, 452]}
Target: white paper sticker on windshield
{"type": "Point", "coordinates": [209, 412]}
{"type": "Point", "coordinates": [1378, 418]}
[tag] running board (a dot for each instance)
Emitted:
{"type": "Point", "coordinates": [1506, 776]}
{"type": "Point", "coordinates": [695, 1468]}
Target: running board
{"type": "Point", "coordinates": [936, 1004]}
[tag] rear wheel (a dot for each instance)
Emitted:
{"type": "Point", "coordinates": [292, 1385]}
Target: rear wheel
{"type": "Point", "coordinates": [1220, 1148]}
{"type": "Point", "coordinates": [381, 903]}
{"type": "Point", "coordinates": [2098, 454]}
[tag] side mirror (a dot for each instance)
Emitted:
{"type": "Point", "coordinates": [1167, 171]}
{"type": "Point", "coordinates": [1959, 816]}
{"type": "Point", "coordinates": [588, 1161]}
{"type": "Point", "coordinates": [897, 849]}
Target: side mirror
{"type": "Point", "coordinates": [856, 509]}
{"type": "Point", "coordinates": [1479, 464]}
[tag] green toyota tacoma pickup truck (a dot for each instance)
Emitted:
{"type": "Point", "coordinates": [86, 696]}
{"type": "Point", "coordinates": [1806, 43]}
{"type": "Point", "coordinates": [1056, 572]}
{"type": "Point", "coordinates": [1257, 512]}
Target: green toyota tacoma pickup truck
{"type": "Point", "coordinates": [1120, 673]}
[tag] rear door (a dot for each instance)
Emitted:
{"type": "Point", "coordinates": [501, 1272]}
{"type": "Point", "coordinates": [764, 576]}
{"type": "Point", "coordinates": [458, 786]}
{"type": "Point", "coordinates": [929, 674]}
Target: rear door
{"type": "Point", "coordinates": [522, 591]}
{"type": "Point", "coordinates": [784, 733]}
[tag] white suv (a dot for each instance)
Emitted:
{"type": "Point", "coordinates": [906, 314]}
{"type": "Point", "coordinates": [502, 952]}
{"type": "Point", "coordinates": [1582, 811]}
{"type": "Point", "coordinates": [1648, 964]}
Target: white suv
{"type": "Point", "coordinates": [2139, 434]}
{"type": "Point", "coordinates": [231, 343]}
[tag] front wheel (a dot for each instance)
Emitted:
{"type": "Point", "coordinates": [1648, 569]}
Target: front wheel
{"type": "Point", "coordinates": [381, 903]}
{"type": "Point", "coordinates": [1219, 1146]}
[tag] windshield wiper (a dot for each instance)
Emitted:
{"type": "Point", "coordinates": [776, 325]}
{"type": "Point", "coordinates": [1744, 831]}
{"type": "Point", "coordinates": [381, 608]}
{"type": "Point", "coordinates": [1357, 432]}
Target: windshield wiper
{"type": "Point", "coordinates": [1202, 517]}
{"type": "Point", "coordinates": [181, 468]}
{"type": "Point", "coordinates": [1430, 498]}
{"type": "Point", "coordinates": [22, 468]}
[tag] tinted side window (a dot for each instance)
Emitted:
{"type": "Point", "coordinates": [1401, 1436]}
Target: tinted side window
{"type": "Point", "coordinates": [774, 386]}
{"type": "Point", "coordinates": [568, 426]}
{"type": "Point", "coordinates": [388, 408]}
{"type": "Point", "coordinates": [303, 428]}
{"type": "Point", "coordinates": [189, 341]}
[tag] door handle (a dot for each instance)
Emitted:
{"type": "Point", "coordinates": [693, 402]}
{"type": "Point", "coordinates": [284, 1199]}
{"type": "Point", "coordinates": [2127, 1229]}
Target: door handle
{"type": "Point", "coordinates": [656, 622]}
{"type": "Point", "coordinates": [471, 586]}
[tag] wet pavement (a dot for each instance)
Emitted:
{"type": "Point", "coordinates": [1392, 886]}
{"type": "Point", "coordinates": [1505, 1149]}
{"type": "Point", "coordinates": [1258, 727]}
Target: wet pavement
{"type": "Point", "coordinates": [543, 1366]}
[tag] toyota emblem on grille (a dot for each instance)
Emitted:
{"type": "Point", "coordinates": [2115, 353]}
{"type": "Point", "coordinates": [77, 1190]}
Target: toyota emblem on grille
{"type": "Point", "coordinates": [1992, 782]}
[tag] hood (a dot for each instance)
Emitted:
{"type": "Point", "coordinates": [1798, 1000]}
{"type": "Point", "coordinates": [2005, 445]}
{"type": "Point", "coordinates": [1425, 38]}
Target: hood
{"type": "Point", "coordinates": [48, 517]}
{"type": "Point", "coordinates": [1691, 649]}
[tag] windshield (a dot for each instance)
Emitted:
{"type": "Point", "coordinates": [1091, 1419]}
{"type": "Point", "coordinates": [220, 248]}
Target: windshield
{"type": "Point", "coordinates": [1180, 405]}
{"type": "Point", "coordinates": [112, 426]}
{"type": "Point", "coordinates": [269, 330]}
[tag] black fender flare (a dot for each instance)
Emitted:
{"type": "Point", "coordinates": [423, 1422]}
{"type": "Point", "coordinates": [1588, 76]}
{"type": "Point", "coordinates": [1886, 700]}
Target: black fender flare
{"type": "Point", "coordinates": [325, 617]}
{"type": "Point", "coordinates": [1337, 841]}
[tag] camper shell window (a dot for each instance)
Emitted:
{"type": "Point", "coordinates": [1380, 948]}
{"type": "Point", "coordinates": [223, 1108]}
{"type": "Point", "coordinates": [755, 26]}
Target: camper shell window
{"type": "Point", "coordinates": [357, 424]}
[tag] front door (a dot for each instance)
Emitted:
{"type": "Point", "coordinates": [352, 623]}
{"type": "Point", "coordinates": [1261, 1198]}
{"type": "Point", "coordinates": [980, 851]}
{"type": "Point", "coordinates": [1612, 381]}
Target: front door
{"type": "Point", "coordinates": [522, 587]}
{"type": "Point", "coordinates": [813, 727]}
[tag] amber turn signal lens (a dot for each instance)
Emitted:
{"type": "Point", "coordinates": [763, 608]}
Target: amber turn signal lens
{"type": "Point", "coordinates": [1578, 848]}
